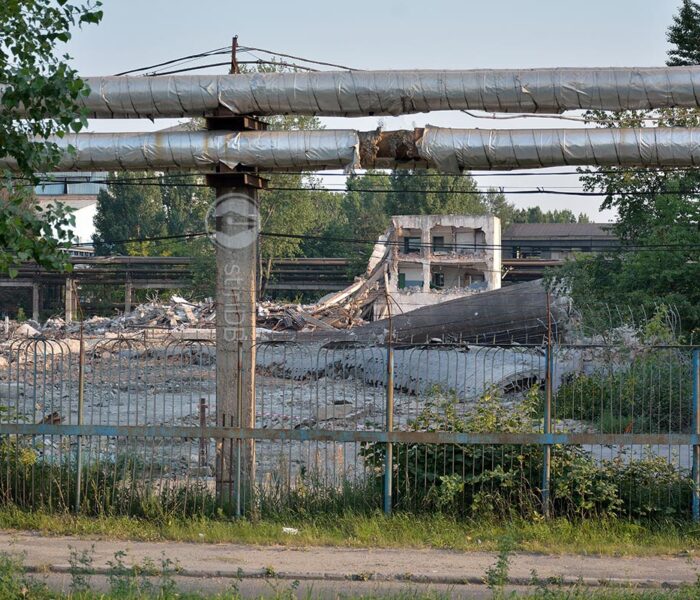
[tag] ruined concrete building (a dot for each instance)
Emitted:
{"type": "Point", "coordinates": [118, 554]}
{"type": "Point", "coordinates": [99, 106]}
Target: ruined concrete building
{"type": "Point", "coordinates": [434, 258]}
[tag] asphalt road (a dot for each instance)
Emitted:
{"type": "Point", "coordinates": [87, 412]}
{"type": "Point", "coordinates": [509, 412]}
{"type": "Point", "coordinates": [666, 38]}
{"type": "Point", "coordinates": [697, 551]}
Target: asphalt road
{"type": "Point", "coordinates": [329, 570]}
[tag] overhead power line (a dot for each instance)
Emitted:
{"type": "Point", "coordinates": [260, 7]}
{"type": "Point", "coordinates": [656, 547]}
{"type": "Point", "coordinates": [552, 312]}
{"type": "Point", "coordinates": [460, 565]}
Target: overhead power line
{"type": "Point", "coordinates": [425, 173]}
{"type": "Point", "coordinates": [398, 243]}
{"type": "Point", "coordinates": [228, 63]}
{"type": "Point", "coordinates": [214, 52]}
{"type": "Point", "coordinates": [477, 192]}
{"type": "Point", "coordinates": [503, 117]}
{"type": "Point", "coordinates": [224, 50]}
{"type": "Point", "coordinates": [307, 60]}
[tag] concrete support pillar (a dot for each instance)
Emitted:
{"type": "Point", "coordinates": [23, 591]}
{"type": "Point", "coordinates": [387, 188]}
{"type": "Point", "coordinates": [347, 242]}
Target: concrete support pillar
{"type": "Point", "coordinates": [70, 299]}
{"type": "Point", "coordinates": [35, 301]}
{"type": "Point", "coordinates": [425, 252]}
{"type": "Point", "coordinates": [236, 216]}
{"type": "Point", "coordinates": [427, 277]}
{"type": "Point", "coordinates": [128, 296]}
{"type": "Point", "coordinates": [496, 267]}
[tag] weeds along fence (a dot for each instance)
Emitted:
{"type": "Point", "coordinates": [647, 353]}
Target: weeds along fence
{"type": "Point", "coordinates": [129, 426]}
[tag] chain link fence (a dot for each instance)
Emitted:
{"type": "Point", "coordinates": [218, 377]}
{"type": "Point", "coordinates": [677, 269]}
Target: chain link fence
{"type": "Point", "coordinates": [129, 426]}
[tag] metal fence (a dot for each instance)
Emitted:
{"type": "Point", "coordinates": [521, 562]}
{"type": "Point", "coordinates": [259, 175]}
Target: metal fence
{"type": "Point", "coordinates": [129, 426]}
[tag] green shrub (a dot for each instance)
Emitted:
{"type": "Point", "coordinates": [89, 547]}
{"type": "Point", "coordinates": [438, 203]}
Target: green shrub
{"type": "Point", "coordinates": [505, 480]}
{"type": "Point", "coordinates": [121, 486]}
{"type": "Point", "coordinates": [649, 395]}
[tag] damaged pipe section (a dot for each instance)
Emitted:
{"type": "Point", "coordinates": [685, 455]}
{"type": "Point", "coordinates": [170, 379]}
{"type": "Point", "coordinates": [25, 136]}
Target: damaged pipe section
{"type": "Point", "coordinates": [449, 150]}
{"type": "Point", "coordinates": [363, 93]}
{"type": "Point", "coordinates": [207, 150]}
{"type": "Point", "coordinates": [452, 150]}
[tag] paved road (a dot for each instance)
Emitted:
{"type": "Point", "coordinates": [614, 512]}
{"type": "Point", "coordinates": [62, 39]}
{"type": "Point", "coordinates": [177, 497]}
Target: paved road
{"type": "Point", "coordinates": [257, 568]}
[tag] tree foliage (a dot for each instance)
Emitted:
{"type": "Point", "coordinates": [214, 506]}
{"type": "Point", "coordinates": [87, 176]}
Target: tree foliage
{"type": "Point", "coordinates": [371, 199]}
{"type": "Point", "coordinates": [36, 78]}
{"type": "Point", "coordinates": [684, 35]}
{"type": "Point", "coordinates": [535, 214]}
{"type": "Point", "coordinates": [658, 215]}
{"type": "Point", "coordinates": [131, 209]}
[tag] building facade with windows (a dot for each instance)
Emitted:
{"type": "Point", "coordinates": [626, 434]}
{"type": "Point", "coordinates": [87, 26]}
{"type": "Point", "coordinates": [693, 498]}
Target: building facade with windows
{"type": "Point", "coordinates": [556, 241]}
{"type": "Point", "coordinates": [434, 258]}
{"type": "Point", "coordinates": [78, 191]}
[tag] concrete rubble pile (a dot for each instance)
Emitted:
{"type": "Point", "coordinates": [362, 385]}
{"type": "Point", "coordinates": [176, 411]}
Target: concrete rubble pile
{"type": "Point", "coordinates": [180, 314]}
{"type": "Point", "coordinates": [308, 318]}
{"type": "Point", "coordinates": [176, 314]}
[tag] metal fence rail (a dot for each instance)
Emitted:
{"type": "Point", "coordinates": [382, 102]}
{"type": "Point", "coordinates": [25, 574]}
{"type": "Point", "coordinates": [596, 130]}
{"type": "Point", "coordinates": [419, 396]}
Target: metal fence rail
{"type": "Point", "coordinates": [129, 426]}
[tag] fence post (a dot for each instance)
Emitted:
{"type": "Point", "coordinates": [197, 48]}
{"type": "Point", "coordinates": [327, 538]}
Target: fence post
{"type": "Point", "coordinates": [547, 425]}
{"type": "Point", "coordinates": [203, 442]}
{"type": "Point", "coordinates": [696, 433]}
{"type": "Point", "coordinates": [389, 450]}
{"type": "Point", "coordinates": [81, 402]}
{"type": "Point", "coordinates": [547, 448]}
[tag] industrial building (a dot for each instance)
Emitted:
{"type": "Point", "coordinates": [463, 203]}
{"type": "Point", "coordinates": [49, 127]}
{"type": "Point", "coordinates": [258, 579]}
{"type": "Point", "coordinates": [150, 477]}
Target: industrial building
{"type": "Point", "coordinates": [434, 258]}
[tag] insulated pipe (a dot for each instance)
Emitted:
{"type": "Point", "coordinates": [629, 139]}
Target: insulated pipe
{"type": "Point", "coordinates": [206, 150]}
{"type": "Point", "coordinates": [449, 150]}
{"type": "Point", "coordinates": [452, 150]}
{"type": "Point", "coordinates": [362, 93]}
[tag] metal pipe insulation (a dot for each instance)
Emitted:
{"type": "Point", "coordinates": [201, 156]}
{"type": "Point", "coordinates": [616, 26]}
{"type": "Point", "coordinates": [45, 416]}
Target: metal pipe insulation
{"type": "Point", "coordinates": [206, 150]}
{"type": "Point", "coordinates": [452, 150]}
{"type": "Point", "coordinates": [361, 93]}
{"type": "Point", "coordinates": [449, 150]}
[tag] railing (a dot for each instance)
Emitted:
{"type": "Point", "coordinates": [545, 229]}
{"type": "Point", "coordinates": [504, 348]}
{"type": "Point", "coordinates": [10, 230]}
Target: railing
{"type": "Point", "coordinates": [131, 426]}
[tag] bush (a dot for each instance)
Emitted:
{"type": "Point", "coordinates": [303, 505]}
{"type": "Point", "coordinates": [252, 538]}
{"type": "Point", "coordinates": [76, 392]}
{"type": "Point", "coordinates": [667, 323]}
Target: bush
{"type": "Point", "coordinates": [650, 395]}
{"type": "Point", "coordinates": [505, 480]}
{"type": "Point", "coordinates": [120, 486]}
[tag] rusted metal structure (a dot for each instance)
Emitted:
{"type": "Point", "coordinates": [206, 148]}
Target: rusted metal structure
{"type": "Point", "coordinates": [129, 272]}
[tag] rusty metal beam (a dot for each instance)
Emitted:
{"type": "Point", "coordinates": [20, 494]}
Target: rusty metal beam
{"type": "Point", "coordinates": [348, 436]}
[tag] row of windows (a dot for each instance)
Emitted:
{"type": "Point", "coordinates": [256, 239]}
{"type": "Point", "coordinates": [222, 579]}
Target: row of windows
{"type": "Point", "coordinates": [71, 184]}
{"type": "Point", "coordinates": [412, 245]}
{"type": "Point", "coordinates": [437, 281]}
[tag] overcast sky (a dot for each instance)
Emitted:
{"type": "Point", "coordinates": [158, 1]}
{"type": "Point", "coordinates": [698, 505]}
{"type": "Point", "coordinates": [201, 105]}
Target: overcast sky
{"type": "Point", "coordinates": [382, 34]}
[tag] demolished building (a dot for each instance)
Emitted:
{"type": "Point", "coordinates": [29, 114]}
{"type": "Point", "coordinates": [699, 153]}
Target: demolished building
{"type": "Point", "coordinates": [431, 259]}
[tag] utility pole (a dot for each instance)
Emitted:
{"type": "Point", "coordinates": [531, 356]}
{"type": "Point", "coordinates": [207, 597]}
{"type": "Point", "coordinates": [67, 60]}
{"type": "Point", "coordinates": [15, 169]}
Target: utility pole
{"type": "Point", "coordinates": [35, 300]}
{"type": "Point", "coordinates": [236, 216]}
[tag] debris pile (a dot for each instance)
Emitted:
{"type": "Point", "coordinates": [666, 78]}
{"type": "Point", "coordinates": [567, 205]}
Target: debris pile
{"type": "Point", "coordinates": [315, 317]}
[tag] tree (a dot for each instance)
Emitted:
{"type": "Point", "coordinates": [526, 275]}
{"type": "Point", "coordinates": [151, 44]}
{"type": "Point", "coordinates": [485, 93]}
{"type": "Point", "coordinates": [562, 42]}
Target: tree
{"type": "Point", "coordinates": [126, 211]}
{"type": "Point", "coordinates": [34, 77]}
{"type": "Point", "coordinates": [662, 269]}
{"type": "Point", "coordinates": [658, 219]}
{"type": "Point", "coordinates": [534, 214]}
{"type": "Point", "coordinates": [373, 198]}
{"type": "Point", "coordinates": [290, 205]}
{"type": "Point", "coordinates": [138, 205]}
{"type": "Point", "coordinates": [684, 35]}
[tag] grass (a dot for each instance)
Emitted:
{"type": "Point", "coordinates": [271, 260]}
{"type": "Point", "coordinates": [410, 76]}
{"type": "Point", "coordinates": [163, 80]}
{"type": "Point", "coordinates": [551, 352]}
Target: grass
{"type": "Point", "coordinates": [147, 583]}
{"type": "Point", "coordinates": [558, 536]}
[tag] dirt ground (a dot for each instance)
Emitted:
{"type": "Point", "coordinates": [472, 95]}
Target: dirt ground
{"type": "Point", "coordinates": [219, 565]}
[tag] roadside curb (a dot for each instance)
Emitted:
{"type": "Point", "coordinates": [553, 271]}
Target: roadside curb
{"type": "Point", "coordinates": [379, 577]}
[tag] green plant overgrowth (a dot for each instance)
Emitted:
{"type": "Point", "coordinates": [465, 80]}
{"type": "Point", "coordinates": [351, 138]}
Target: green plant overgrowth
{"type": "Point", "coordinates": [149, 580]}
{"type": "Point", "coordinates": [504, 481]}
{"type": "Point", "coordinates": [649, 393]}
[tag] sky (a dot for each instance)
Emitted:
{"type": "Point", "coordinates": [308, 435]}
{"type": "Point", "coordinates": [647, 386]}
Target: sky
{"type": "Point", "coordinates": [381, 34]}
